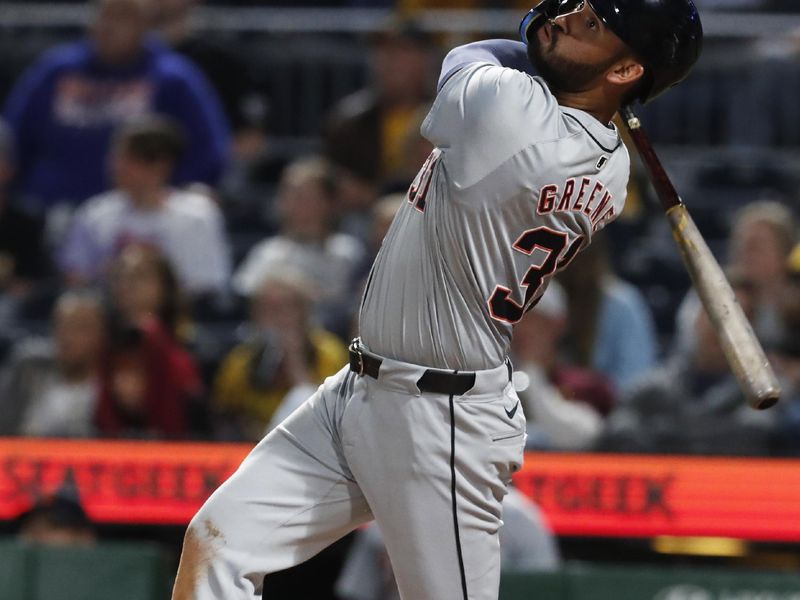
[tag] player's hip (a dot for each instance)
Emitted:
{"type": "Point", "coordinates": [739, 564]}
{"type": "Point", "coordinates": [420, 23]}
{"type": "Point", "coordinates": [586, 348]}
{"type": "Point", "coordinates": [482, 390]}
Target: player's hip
{"type": "Point", "coordinates": [415, 379]}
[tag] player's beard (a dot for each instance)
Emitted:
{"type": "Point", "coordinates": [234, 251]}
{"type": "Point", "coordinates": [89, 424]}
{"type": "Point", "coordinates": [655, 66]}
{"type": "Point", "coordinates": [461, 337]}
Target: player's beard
{"type": "Point", "coordinates": [563, 74]}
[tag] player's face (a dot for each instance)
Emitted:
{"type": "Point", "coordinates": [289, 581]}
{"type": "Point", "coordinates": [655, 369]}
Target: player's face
{"type": "Point", "coordinates": [573, 52]}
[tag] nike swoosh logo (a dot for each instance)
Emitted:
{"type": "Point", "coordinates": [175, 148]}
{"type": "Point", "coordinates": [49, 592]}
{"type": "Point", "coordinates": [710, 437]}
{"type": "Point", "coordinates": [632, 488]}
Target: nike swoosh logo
{"type": "Point", "coordinates": [513, 411]}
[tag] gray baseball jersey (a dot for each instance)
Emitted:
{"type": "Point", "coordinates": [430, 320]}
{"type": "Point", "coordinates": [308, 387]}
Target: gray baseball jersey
{"type": "Point", "coordinates": [515, 187]}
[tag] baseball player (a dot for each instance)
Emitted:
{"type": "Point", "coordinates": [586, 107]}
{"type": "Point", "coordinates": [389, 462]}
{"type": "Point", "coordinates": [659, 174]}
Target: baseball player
{"type": "Point", "coordinates": [422, 430]}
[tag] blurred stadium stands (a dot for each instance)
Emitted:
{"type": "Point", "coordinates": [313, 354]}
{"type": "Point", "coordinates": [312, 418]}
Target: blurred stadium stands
{"type": "Point", "coordinates": [728, 135]}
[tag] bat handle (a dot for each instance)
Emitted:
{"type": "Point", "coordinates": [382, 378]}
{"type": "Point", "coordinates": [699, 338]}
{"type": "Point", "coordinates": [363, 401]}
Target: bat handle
{"type": "Point", "coordinates": [631, 120]}
{"type": "Point", "coordinates": [661, 182]}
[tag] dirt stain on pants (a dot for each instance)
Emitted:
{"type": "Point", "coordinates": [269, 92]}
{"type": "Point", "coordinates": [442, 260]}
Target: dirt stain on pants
{"type": "Point", "coordinates": [195, 557]}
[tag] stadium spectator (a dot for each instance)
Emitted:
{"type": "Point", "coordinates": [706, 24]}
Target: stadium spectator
{"type": "Point", "coordinates": [762, 238]}
{"type": "Point", "coordinates": [785, 358]}
{"type": "Point", "coordinates": [50, 387]}
{"type": "Point", "coordinates": [148, 384]}
{"type": "Point", "coordinates": [611, 328]}
{"type": "Point", "coordinates": [23, 261]}
{"type": "Point", "coordinates": [57, 519]}
{"type": "Point", "coordinates": [143, 208]}
{"type": "Point", "coordinates": [564, 405]}
{"type": "Point", "coordinates": [692, 404]}
{"type": "Point", "coordinates": [419, 5]}
{"type": "Point", "coordinates": [308, 243]}
{"type": "Point", "coordinates": [284, 350]}
{"type": "Point", "coordinates": [143, 286]}
{"type": "Point", "coordinates": [790, 298]}
{"type": "Point", "coordinates": [64, 108]}
{"type": "Point", "coordinates": [224, 68]}
{"type": "Point", "coordinates": [368, 134]}
{"type": "Point", "coordinates": [526, 544]}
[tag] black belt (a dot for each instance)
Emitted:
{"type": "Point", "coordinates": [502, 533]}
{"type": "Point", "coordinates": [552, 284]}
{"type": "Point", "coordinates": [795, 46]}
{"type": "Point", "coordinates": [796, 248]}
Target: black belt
{"type": "Point", "coordinates": [432, 380]}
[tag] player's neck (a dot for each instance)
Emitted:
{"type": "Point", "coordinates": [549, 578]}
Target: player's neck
{"type": "Point", "coordinates": [600, 109]}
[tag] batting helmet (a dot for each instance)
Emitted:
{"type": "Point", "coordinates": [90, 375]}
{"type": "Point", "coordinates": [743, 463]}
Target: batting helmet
{"type": "Point", "coordinates": [665, 34]}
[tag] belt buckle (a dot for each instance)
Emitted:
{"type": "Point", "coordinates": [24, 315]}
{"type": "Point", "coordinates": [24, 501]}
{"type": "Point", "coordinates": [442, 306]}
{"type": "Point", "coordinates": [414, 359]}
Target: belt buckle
{"type": "Point", "coordinates": [354, 348]}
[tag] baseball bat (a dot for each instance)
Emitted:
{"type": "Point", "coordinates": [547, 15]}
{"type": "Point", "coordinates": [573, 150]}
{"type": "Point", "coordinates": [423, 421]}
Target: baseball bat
{"type": "Point", "coordinates": [740, 345]}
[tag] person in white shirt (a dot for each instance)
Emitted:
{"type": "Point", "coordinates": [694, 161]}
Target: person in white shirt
{"type": "Point", "coordinates": [308, 243]}
{"type": "Point", "coordinates": [49, 387]}
{"type": "Point", "coordinates": [187, 226]}
{"type": "Point", "coordinates": [559, 416]}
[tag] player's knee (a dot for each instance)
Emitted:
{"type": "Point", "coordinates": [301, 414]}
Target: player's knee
{"type": "Point", "coordinates": [199, 547]}
{"type": "Point", "coordinates": [194, 561]}
{"type": "Point", "coordinates": [204, 530]}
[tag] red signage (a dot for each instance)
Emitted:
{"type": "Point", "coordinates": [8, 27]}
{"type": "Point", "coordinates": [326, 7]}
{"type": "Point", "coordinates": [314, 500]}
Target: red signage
{"type": "Point", "coordinates": [582, 495]}
{"type": "Point", "coordinates": [643, 496]}
{"type": "Point", "coordinates": [119, 482]}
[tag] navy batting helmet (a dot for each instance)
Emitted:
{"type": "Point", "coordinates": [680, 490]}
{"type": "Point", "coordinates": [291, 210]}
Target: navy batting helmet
{"type": "Point", "coordinates": [665, 34]}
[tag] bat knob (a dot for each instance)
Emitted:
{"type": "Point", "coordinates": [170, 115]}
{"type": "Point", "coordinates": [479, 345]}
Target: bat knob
{"type": "Point", "coordinates": [765, 403]}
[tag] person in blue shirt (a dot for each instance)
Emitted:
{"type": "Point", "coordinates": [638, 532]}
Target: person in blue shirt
{"type": "Point", "coordinates": [64, 108]}
{"type": "Point", "coordinates": [612, 329]}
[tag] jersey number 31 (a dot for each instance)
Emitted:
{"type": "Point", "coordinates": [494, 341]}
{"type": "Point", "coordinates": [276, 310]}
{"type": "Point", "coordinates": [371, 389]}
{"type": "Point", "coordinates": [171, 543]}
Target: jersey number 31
{"type": "Point", "coordinates": [553, 243]}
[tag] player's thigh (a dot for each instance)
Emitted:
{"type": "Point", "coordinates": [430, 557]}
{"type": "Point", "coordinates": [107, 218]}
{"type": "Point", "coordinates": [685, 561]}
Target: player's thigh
{"type": "Point", "coordinates": [435, 470]}
{"type": "Point", "coordinates": [290, 498]}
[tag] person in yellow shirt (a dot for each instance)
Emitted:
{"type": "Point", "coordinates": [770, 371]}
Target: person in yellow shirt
{"type": "Point", "coordinates": [282, 350]}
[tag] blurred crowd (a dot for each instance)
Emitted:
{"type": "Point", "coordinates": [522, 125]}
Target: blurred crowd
{"type": "Point", "coordinates": [166, 274]}
{"type": "Point", "coordinates": [169, 270]}
{"type": "Point", "coordinates": [787, 5]}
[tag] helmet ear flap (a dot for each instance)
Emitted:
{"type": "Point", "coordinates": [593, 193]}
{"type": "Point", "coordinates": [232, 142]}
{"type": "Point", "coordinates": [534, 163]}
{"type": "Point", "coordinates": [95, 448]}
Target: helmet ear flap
{"type": "Point", "coordinates": [535, 18]}
{"type": "Point", "coordinates": [527, 23]}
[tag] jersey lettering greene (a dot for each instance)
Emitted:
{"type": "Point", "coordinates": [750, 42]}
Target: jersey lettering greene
{"type": "Point", "coordinates": [516, 186]}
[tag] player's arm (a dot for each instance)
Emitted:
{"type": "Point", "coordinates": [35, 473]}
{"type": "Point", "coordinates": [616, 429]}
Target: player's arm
{"type": "Point", "coordinates": [482, 101]}
{"type": "Point", "coordinates": [503, 53]}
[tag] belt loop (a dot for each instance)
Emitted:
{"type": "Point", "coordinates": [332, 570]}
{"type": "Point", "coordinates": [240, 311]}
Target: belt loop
{"type": "Point", "coordinates": [355, 350]}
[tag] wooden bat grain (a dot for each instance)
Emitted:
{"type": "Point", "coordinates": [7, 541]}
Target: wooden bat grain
{"type": "Point", "coordinates": [739, 343]}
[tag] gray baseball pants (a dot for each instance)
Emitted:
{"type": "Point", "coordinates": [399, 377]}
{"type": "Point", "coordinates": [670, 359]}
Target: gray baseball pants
{"type": "Point", "coordinates": [431, 468]}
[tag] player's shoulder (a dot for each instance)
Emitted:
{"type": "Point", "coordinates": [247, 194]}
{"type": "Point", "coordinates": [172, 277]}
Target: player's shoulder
{"type": "Point", "coordinates": [503, 88]}
{"type": "Point", "coordinates": [592, 147]}
{"type": "Point", "coordinates": [488, 72]}
{"type": "Point", "coordinates": [485, 114]}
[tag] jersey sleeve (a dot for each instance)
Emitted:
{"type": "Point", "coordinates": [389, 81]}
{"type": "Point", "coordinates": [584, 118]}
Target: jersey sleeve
{"type": "Point", "coordinates": [505, 53]}
{"type": "Point", "coordinates": [483, 115]}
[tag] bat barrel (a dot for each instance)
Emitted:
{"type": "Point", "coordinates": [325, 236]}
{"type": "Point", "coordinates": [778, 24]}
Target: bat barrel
{"type": "Point", "coordinates": [739, 343]}
{"type": "Point", "coordinates": [742, 349]}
